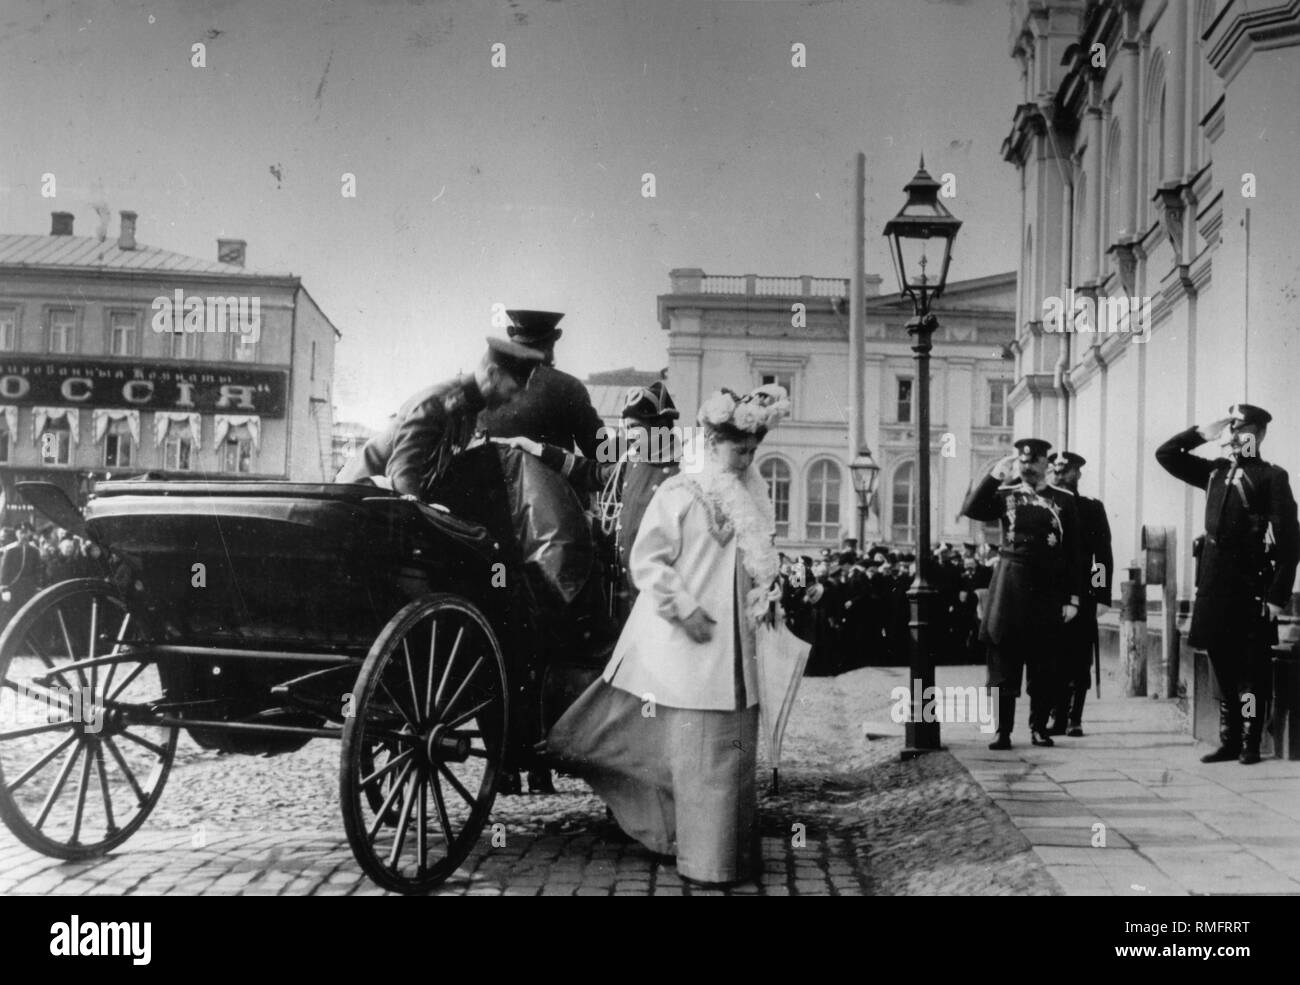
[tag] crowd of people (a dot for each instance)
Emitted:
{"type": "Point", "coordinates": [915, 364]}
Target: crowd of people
{"type": "Point", "coordinates": [32, 559]}
{"type": "Point", "coordinates": [852, 605]}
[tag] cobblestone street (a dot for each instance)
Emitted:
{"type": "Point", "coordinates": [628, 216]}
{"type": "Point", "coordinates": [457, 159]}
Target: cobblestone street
{"type": "Point", "coordinates": [850, 819]}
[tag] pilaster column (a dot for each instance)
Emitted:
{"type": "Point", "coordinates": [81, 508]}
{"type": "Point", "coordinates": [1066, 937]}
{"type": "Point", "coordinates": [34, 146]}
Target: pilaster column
{"type": "Point", "coordinates": [1130, 131]}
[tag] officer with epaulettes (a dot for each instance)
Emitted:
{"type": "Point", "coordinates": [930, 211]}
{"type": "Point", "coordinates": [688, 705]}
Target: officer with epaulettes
{"type": "Point", "coordinates": [1242, 582]}
{"type": "Point", "coordinates": [1075, 672]}
{"type": "Point", "coordinates": [1036, 587]}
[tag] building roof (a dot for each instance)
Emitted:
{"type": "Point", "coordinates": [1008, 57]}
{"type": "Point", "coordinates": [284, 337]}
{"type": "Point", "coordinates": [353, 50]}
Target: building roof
{"type": "Point", "coordinates": [628, 376]}
{"type": "Point", "coordinates": [92, 253]}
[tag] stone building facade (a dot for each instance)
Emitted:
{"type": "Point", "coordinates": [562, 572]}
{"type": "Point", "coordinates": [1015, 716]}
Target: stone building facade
{"type": "Point", "coordinates": [741, 331]}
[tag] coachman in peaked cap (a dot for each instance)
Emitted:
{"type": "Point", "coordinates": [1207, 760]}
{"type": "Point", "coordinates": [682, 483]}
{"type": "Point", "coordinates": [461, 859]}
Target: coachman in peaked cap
{"type": "Point", "coordinates": [1242, 582]}
{"type": "Point", "coordinates": [556, 408]}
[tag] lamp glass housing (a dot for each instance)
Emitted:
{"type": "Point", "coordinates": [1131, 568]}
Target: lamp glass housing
{"type": "Point", "coordinates": [920, 241]}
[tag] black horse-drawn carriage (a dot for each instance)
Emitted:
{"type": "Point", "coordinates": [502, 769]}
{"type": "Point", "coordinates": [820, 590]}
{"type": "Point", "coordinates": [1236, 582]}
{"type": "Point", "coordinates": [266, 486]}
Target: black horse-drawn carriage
{"type": "Point", "coordinates": [435, 642]}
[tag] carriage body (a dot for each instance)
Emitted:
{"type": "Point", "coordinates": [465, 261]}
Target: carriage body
{"type": "Point", "coordinates": [259, 615]}
{"type": "Point", "coordinates": [244, 588]}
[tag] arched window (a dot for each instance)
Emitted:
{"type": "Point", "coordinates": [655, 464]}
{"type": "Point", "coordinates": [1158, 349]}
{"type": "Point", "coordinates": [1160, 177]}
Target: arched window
{"type": "Point", "coordinates": [902, 519]}
{"type": "Point", "coordinates": [823, 501]}
{"type": "Point", "coordinates": [1114, 183]}
{"type": "Point", "coordinates": [1209, 87]}
{"type": "Point", "coordinates": [1027, 279]}
{"type": "Point", "coordinates": [1154, 97]}
{"type": "Point", "coordinates": [777, 475]}
{"type": "Point", "coordinates": [1083, 244]}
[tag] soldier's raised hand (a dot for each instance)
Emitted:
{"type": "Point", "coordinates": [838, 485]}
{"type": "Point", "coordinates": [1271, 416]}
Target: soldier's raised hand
{"type": "Point", "coordinates": [1005, 468]}
{"type": "Point", "coordinates": [1212, 430]}
{"type": "Point", "coordinates": [1068, 612]}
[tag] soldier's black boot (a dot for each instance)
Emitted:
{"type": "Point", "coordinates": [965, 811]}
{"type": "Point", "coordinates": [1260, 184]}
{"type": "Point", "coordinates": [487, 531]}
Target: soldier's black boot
{"type": "Point", "coordinates": [510, 783]}
{"type": "Point", "coordinates": [1252, 731]}
{"type": "Point", "coordinates": [1229, 733]}
{"type": "Point", "coordinates": [1038, 723]}
{"type": "Point", "coordinates": [1075, 731]}
{"type": "Point", "coordinates": [1060, 713]}
{"type": "Point", "coordinates": [539, 781]}
{"type": "Point", "coordinates": [1006, 721]}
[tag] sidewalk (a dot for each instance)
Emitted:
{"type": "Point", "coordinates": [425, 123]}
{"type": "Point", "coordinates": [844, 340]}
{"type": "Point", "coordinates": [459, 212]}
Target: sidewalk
{"type": "Point", "coordinates": [1169, 824]}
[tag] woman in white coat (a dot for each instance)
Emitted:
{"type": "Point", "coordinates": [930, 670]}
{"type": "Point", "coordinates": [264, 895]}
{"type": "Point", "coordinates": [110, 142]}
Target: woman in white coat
{"type": "Point", "coordinates": [668, 737]}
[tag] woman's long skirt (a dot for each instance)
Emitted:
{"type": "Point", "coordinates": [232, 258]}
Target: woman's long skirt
{"type": "Point", "coordinates": [678, 780]}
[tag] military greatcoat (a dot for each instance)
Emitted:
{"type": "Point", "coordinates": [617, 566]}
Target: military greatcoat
{"type": "Point", "coordinates": [1038, 570]}
{"type": "Point", "coordinates": [1236, 576]}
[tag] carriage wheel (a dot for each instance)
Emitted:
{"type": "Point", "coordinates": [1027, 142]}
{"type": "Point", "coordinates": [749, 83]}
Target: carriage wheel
{"type": "Point", "coordinates": [424, 745]}
{"type": "Point", "coordinates": [80, 768]}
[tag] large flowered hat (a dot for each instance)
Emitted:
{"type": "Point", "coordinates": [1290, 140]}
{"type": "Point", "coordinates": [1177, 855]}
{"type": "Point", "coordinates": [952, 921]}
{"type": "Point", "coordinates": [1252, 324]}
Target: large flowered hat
{"type": "Point", "coordinates": [755, 412]}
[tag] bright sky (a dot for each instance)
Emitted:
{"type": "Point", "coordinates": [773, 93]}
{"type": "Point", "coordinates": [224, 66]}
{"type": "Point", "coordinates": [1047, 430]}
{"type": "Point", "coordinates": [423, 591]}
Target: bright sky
{"type": "Point", "coordinates": [520, 185]}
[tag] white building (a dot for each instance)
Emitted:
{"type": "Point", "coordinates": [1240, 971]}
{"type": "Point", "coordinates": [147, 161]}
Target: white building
{"type": "Point", "coordinates": [741, 331]}
{"type": "Point", "coordinates": [1157, 144]}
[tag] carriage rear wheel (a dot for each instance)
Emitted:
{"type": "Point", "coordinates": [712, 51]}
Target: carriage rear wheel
{"type": "Point", "coordinates": [80, 765]}
{"type": "Point", "coordinates": [423, 747]}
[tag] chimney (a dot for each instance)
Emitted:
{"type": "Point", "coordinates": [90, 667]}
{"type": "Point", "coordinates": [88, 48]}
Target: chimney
{"type": "Point", "coordinates": [61, 224]}
{"type": "Point", "coordinates": [231, 251]}
{"type": "Point", "coordinates": [126, 231]}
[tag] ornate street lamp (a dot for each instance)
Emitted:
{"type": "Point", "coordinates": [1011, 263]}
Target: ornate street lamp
{"type": "Point", "coordinates": [865, 473]}
{"type": "Point", "coordinates": [920, 239]}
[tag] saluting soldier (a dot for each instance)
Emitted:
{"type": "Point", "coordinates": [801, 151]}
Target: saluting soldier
{"type": "Point", "coordinates": [437, 423]}
{"type": "Point", "coordinates": [1098, 566]}
{"type": "Point", "coordinates": [1035, 587]}
{"type": "Point", "coordinates": [1241, 585]}
{"type": "Point", "coordinates": [556, 408]}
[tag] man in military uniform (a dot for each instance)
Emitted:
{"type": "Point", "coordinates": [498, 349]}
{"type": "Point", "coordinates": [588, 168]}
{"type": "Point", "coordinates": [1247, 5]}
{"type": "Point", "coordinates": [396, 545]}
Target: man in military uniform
{"type": "Point", "coordinates": [626, 485]}
{"type": "Point", "coordinates": [1036, 586]}
{"type": "Point", "coordinates": [1241, 586]}
{"type": "Point", "coordinates": [437, 423]}
{"type": "Point", "coordinates": [1098, 566]}
{"type": "Point", "coordinates": [555, 409]}
{"type": "Point", "coordinates": [20, 573]}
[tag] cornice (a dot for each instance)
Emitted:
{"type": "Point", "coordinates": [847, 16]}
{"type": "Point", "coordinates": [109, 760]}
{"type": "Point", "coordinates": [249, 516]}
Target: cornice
{"type": "Point", "coordinates": [1232, 40]}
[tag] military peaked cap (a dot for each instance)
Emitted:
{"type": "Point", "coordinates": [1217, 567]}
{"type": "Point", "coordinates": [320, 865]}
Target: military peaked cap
{"type": "Point", "coordinates": [1249, 414]}
{"type": "Point", "coordinates": [1035, 446]}
{"type": "Point", "coordinates": [534, 328]}
{"type": "Point", "coordinates": [1069, 459]}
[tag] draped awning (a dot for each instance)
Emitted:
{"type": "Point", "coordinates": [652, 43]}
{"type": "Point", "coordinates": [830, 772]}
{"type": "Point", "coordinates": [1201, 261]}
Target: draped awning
{"type": "Point", "coordinates": [41, 416]}
{"type": "Point", "coordinates": [223, 423]}
{"type": "Point", "coordinates": [10, 413]}
{"type": "Point", "coordinates": [102, 417]}
{"type": "Point", "coordinates": [163, 420]}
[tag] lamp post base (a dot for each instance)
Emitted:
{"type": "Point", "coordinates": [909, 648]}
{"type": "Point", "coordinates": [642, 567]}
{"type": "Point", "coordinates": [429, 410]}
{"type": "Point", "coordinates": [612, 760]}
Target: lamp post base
{"type": "Point", "coordinates": [912, 751]}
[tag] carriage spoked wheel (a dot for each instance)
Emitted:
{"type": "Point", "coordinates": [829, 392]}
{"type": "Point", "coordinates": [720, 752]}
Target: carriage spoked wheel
{"type": "Point", "coordinates": [423, 747]}
{"type": "Point", "coordinates": [81, 766]}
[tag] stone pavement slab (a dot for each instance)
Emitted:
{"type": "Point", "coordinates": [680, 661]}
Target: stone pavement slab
{"type": "Point", "coordinates": [1129, 810]}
